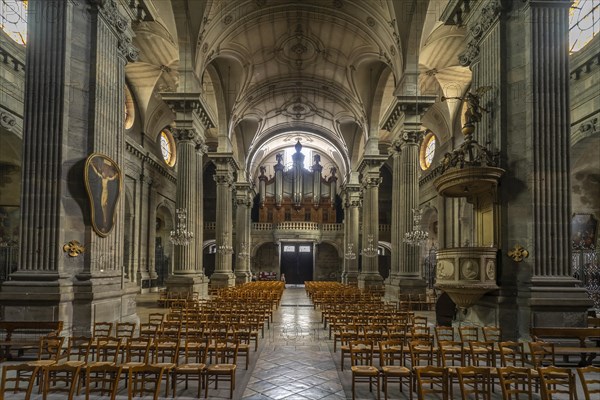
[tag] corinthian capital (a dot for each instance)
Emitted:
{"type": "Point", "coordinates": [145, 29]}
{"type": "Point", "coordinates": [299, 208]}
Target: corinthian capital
{"type": "Point", "coordinates": [186, 135]}
{"type": "Point", "coordinates": [411, 137]}
{"type": "Point", "coordinates": [223, 179]}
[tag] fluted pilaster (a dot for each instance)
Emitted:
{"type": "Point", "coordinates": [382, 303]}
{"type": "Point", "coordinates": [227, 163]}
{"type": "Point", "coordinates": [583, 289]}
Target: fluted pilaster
{"type": "Point", "coordinates": [243, 201]}
{"type": "Point", "coordinates": [352, 205]}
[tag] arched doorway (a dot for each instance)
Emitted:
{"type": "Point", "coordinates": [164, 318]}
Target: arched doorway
{"type": "Point", "coordinates": [163, 249]}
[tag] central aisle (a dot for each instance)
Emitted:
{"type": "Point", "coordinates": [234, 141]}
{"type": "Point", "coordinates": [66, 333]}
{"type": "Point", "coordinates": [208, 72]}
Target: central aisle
{"type": "Point", "coordinates": [295, 361]}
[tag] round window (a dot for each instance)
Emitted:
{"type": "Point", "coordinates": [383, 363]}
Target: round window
{"type": "Point", "coordinates": [427, 151]}
{"type": "Point", "coordinates": [129, 109]}
{"type": "Point", "coordinates": [167, 147]}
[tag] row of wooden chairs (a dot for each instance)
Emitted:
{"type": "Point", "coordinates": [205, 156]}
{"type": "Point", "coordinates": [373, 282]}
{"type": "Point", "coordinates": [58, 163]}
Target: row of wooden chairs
{"type": "Point", "coordinates": [474, 380]}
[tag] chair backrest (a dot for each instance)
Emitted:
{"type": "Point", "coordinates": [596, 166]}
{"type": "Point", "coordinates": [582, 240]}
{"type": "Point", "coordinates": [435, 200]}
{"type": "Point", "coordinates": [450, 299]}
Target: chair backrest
{"type": "Point", "coordinates": [421, 352]}
{"type": "Point", "coordinates": [149, 330]}
{"type": "Point", "coordinates": [50, 348]}
{"type": "Point", "coordinates": [103, 380]}
{"type": "Point", "coordinates": [138, 350]}
{"type": "Point", "coordinates": [78, 348]}
{"type": "Point", "coordinates": [444, 333]}
{"type": "Point", "coordinates": [144, 380]}
{"type": "Point", "coordinates": [156, 318]}
{"type": "Point", "coordinates": [515, 382]}
{"type": "Point", "coordinates": [432, 381]}
{"type": "Point", "coordinates": [491, 333]}
{"type": "Point", "coordinates": [166, 350]}
{"type": "Point", "coordinates": [418, 320]}
{"type": "Point", "coordinates": [481, 353]}
{"type": "Point", "coordinates": [361, 352]}
{"type": "Point", "coordinates": [512, 354]}
{"type": "Point", "coordinates": [196, 351]}
{"type": "Point", "coordinates": [226, 351]}
{"type": "Point", "coordinates": [474, 381]}
{"type": "Point", "coordinates": [102, 329]}
{"type": "Point", "coordinates": [451, 352]}
{"type": "Point", "coordinates": [590, 381]}
{"type": "Point", "coordinates": [107, 349]}
{"type": "Point", "coordinates": [559, 382]}
{"type": "Point", "coordinates": [18, 378]}
{"type": "Point", "coordinates": [468, 334]}
{"type": "Point", "coordinates": [60, 378]}
{"type": "Point", "coordinates": [542, 354]}
{"type": "Point", "coordinates": [125, 329]}
{"type": "Point", "coordinates": [391, 352]}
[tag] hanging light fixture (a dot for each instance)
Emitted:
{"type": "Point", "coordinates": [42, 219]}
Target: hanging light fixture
{"type": "Point", "coordinates": [243, 253]}
{"type": "Point", "coordinates": [350, 254]}
{"type": "Point", "coordinates": [180, 236]}
{"type": "Point", "coordinates": [224, 247]}
{"type": "Point", "coordinates": [416, 237]}
{"type": "Point", "coordinates": [371, 250]}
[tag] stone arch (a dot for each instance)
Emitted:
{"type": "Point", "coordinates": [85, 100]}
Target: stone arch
{"type": "Point", "coordinates": [163, 251]}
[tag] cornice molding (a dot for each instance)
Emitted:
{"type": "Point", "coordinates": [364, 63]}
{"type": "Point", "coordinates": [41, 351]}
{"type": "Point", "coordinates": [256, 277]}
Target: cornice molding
{"type": "Point", "coordinates": [140, 153]}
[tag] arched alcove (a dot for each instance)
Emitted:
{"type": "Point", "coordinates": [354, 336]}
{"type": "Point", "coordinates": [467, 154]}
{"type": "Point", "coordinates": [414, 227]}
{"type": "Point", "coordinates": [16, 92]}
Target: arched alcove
{"type": "Point", "coordinates": [163, 250]}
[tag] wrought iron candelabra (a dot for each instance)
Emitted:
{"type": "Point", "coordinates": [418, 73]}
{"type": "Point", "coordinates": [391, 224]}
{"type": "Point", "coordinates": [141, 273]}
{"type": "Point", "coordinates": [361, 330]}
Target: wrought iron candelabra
{"type": "Point", "coordinates": [224, 247]}
{"type": "Point", "coordinates": [180, 236]}
{"type": "Point", "coordinates": [416, 237]}
{"type": "Point", "coordinates": [350, 254]}
{"type": "Point", "coordinates": [243, 253]}
{"type": "Point", "coordinates": [371, 250]}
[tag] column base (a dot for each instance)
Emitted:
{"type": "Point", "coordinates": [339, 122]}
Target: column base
{"type": "Point", "coordinates": [350, 278]}
{"type": "Point", "coordinates": [242, 277]}
{"type": "Point", "coordinates": [188, 284]}
{"type": "Point", "coordinates": [398, 285]}
{"type": "Point", "coordinates": [366, 281]}
{"type": "Point", "coordinates": [222, 279]}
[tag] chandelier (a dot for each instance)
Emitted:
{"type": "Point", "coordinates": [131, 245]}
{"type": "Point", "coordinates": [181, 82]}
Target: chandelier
{"type": "Point", "coordinates": [370, 251]}
{"type": "Point", "coordinates": [224, 247]}
{"type": "Point", "coordinates": [243, 253]}
{"type": "Point", "coordinates": [416, 237]}
{"type": "Point", "coordinates": [350, 254]}
{"type": "Point", "coordinates": [180, 236]}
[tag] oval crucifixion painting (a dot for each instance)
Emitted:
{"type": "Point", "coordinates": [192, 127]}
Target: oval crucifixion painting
{"type": "Point", "coordinates": [103, 184]}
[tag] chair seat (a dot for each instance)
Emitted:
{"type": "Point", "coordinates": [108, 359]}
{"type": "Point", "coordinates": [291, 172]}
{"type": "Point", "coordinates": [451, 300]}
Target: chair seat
{"type": "Point", "coordinates": [73, 363]}
{"type": "Point", "coordinates": [41, 363]}
{"type": "Point", "coordinates": [165, 365]}
{"type": "Point", "coordinates": [132, 364]}
{"type": "Point", "coordinates": [365, 370]}
{"type": "Point", "coordinates": [191, 367]}
{"type": "Point", "coordinates": [100, 363]}
{"type": "Point", "coordinates": [221, 367]}
{"type": "Point", "coordinates": [395, 370]}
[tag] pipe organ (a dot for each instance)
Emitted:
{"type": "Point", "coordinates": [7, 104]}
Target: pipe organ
{"type": "Point", "coordinates": [297, 194]}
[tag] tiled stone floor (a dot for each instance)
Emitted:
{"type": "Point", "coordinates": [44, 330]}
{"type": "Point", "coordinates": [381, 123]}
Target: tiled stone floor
{"type": "Point", "coordinates": [294, 361]}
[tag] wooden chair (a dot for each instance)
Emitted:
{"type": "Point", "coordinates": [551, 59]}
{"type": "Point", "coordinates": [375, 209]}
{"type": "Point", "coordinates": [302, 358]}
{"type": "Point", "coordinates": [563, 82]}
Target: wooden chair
{"type": "Point", "coordinates": [225, 365]}
{"type": "Point", "coordinates": [432, 381]}
{"type": "Point", "coordinates": [515, 382]}
{"type": "Point", "coordinates": [144, 380]}
{"type": "Point", "coordinates": [512, 354]}
{"type": "Point", "coordinates": [590, 381]}
{"type": "Point", "coordinates": [102, 380]}
{"type": "Point", "coordinates": [107, 351]}
{"type": "Point", "coordinates": [475, 381]}
{"type": "Point", "coordinates": [49, 351]}
{"type": "Point", "coordinates": [421, 353]}
{"type": "Point", "coordinates": [78, 350]}
{"type": "Point", "coordinates": [391, 359]}
{"type": "Point", "coordinates": [60, 378]}
{"type": "Point", "coordinates": [149, 330]}
{"type": "Point", "coordinates": [156, 318]}
{"type": "Point", "coordinates": [349, 333]}
{"type": "Point", "coordinates": [166, 356]}
{"type": "Point", "coordinates": [444, 333]}
{"type": "Point", "coordinates": [361, 356]}
{"type": "Point", "coordinates": [557, 381]}
{"type": "Point", "coordinates": [18, 378]}
{"type": "Point", "coordinates": [542, 354]}
{"type": "Point", "coordinates": [194, 364]}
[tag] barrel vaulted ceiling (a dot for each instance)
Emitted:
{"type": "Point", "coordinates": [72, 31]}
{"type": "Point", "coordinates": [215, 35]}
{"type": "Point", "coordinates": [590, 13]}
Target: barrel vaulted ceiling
{"type": "Point", "coordinates": [273, 72]}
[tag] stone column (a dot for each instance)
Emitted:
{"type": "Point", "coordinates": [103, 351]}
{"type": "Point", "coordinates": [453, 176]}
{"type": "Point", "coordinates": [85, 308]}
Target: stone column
{"type": "Point", "coordinates": [151, 255]}
{"type": "Point", "coordinates": [352, 203]}
{"type": "Point", "coordinates": [74, 96]}
{"type": "Point", "coordinates": [189, 129]}
{"type": "Point", "coordinates": [370, 180]}
{"type": "Point", "coordinates": [223, 275]}
{"type": "Point", "coordinates": [409, 271]}
{"type": "Point", "coordinates": [143, 229]}
{"type": "Point", "coordinates": [187, 276]}
{"type": "Point", "coordinates": [243, 201]}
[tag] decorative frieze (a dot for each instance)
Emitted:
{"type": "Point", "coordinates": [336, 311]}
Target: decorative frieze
{"type": "Point", "coordinates": [487, 17]}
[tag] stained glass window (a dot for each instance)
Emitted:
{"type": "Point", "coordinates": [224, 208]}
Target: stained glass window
{"type": "Point", "coordinates": [427, 151]}
{"type": "Point", "coordinates": [167, 148]}
{"type": "Point", "coordinates": [584, 23]}
{"type": "Point", "coordinates": [13, 19]}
